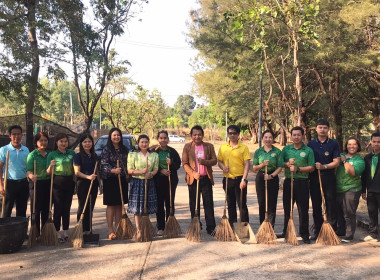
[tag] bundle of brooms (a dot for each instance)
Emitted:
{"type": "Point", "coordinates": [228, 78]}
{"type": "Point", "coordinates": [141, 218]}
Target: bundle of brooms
{"type": "Point", "coordinates": [33, 233]}
{"type": "Point", "coordinates": [266, 233]}
{"type": "Point", "coordinates": [146, 229]}
{"type": "Point", "coordinates": [194, 233]}
{"type": "Point", "coordinates": [124, 229]}
{"type": "Point", "coordinates": [290, 235]}
{"type": "Point", "coordinates": [327, 235]}
{"type": "Point", "coordinates": [172, 227]}
{"type": "Point", "coordinates": [223, 231]}
{"type": "Point", "coordinates": [49, 234]}
{"type": "Point", "coordinates": [76, 237]}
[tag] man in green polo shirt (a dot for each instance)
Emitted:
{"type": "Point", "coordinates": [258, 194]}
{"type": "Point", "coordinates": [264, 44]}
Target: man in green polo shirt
{"type": "Point", "coordinates": [299, 159]}
{"type": "Point", "coordinates": [233, 159]}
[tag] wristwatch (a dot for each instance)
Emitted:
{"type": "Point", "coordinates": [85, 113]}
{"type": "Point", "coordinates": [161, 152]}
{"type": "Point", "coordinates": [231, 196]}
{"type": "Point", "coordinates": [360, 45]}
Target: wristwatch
{"type": "Point", "coordinates": [325, 166]}
{"type": "Point", "coordinates": [244, 180]}
{"type": "Point", "coordinates": [344, 161]}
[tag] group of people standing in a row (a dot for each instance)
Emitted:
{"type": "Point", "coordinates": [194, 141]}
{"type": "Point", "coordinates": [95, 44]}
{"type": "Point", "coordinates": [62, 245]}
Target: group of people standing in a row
{"type": "Point", "coordinates": [344, 177]}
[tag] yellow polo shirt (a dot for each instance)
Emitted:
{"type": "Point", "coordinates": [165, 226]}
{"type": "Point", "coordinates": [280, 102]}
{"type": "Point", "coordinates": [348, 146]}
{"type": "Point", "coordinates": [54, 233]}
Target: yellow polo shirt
{"type": "Point", "coordinates": [236, 155]}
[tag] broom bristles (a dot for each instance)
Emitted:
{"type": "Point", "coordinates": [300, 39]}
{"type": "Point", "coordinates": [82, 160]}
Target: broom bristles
{"type": "Point", "coordinates": [266, 234]}
{"type": "Point", "coordinates": [172, 228]}
{"type": "Point", "coordinates": [49, 234]}
{"type": "Point", "coordinates": [146, 230]}
{"type": "Point", "coordinates": [76, 237]}
{"type": "Point", "coordinates": [223, 231]}
{"type": "Point", "coordinates": [32, 241]}
{"type": "Point", "coordinates": [125, 229]}
{"type": "Point", "coordinates": [290, 235]}
{"type": "Point", "coordinates": [194, 231]}
{"type": "Point", "coordinates": [327, 235]}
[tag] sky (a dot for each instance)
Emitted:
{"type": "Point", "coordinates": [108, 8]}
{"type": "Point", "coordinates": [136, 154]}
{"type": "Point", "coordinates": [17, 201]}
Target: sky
{"type": "Point", "coordinates": [155, 44]}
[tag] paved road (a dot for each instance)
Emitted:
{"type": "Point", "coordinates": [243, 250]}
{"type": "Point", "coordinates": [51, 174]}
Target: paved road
{"type": "Point", "coordinates": [180, 259]}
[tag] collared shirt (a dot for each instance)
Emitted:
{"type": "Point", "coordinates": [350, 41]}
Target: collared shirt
{"type": "Point", "coordinates": [137, 161]}
{"type": "Point", "coordinates": [236, 156]}
{"type": "Point", "coordinates": [200, 153]}
{"type": "Point", "coordinates": [162, 156]}
{"type": "Point", "coordinates": [345, 181]}
{"type": "Point", "coordinates": [41, 163]}
{"type": "Point", "coordinates": [375, 161]}
{"type": "Point", "coordinates": [17, 161]}
{"type": "Point", "coordinates": [325, 152]}
{"type": "Point", "coordinates": [274, 156]}
{"type": "Point", "coordinates": [86, 163]}
{"type": "Point", "coordinates": [303, 156]}
{"type": "Point", "coordinates": [64, 164]}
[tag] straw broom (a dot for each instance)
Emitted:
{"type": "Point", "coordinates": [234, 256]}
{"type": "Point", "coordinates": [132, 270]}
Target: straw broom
{"type": "Point", "coordinates": [266, 234]}
{"type": "Point", "coordinates": [76, 237]}
{"type": "Point", "coordinates": [194, 231]}
{"type": "Point", "coordinates": [5, 185]}
{"type": "Point", "coordinates": [124, 229]}
{"type": "Point", "coordinates": [33, 227]}
{"type": "Point", "coordinates": [146, 227]}
{"type": "Point", "coordinates": [327, 235]}
{"type": "Point", "coordinates": [290, 235]}
{"type": "Point", "coordinates": [223, 231]}
{"type": "Point", "coordinates": [172, 228]}
{"type": "Point", "coordinates": [48, 233]}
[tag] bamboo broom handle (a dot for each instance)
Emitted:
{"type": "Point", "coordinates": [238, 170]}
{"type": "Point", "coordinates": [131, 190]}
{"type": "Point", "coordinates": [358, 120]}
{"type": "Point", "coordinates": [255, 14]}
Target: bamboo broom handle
{"type": "Point", "coordinates": [225, 197]}
{"type": "Point", "coordinates": [266, 193]}
{"type": "Point", "coordinates": [121, 189]}
{"type": "Point", "coordinates": [196, 198]}
{"type": "Point", "coordinates": [51, 189]}
{"type": "Point", "coordinates": [146, 185]}
{"type": "Point", "coordinates": [170, 192]}
{"type": "Point", "coordinates": [5, 184]}
{"type": "Point", "coordinates": [323, 197]}
{"type": "Point", "coordinates": [34, 190]}
{"type": "Point", "coordinates": [291, 193]}
{"type": "Point", "coordinates": [89, 192]}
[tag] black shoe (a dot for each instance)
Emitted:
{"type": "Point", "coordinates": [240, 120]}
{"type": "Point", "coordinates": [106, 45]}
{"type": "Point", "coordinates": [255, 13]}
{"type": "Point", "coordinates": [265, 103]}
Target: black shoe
{"type": "Point", "coordinates": [280, 235]}
{"type": "Point", "coordinates": [314, 236]}
{"type": "Point", "coordinates": [306, 240]}
{"type": "Point", "coordinates": [347, 239]}
{"type": "Point", "coordinates": [341, 233]}
{"type": "Point", "coordinates": [210, 231]}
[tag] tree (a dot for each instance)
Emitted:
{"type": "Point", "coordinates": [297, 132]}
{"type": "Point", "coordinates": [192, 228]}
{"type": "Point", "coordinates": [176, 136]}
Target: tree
{"type": "Point", "coordinates": [183, 107]}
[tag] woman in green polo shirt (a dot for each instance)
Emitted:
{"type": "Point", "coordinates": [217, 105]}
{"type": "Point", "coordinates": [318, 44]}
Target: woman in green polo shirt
{"type": "Point", "coordinates": [39, 155]}
{"type": "Point", "coordinates": [269, 156]}
{"type": "Point", "coordinates": [61, 159]}
{"type": "Point", "coordinates": [349, 186]}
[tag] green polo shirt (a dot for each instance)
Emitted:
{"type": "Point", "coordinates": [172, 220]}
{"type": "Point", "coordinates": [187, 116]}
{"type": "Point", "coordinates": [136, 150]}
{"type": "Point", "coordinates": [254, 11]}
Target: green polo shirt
{"type": "Point", "coordinates": [64, 165]}
{"type": "Point", "coordinates": [304, 156]}
{"type": "Point", "coordinates": [375, 161]}
{"type": "Point", "coordinates": [162, 156]}
{"type": "Point", "coordinates": [40, 164]}
{"type": "Point", "coordinates": [346, 182]}
{"type": "Point", "coordinates": [274, 156]}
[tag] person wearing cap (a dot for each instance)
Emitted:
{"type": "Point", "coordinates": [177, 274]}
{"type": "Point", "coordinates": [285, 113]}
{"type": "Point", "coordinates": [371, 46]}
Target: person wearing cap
{"type": "Point", "coordinates": [327, 158]}
{"type": "Point", "coordinates": [233, 159]}
{"type": "Point", "coordinates": [299, 159]}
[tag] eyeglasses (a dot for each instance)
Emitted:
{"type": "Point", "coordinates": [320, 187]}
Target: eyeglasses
{"type": "Point", "coordinates": [232, 133]}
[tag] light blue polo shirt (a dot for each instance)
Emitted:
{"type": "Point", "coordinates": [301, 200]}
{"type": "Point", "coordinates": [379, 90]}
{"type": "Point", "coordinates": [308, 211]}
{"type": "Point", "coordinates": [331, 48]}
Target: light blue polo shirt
{"type": "Point", "coordinates": [17, 161]}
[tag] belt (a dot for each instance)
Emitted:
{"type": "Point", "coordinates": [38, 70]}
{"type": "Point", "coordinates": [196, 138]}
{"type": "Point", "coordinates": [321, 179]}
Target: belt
{"type": "Point", "coordinates": [235, 178]}
{"type": "Point", "coordinates": [18, 181]}
{"type": "Point", "coordinates": [203, 177]}
{"type": "Point", "coordinates": [269, 171]}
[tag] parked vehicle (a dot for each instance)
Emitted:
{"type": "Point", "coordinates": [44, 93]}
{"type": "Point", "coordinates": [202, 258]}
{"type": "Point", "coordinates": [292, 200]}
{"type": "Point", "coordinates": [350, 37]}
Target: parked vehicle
{"type": "Point", "coordinates": [176, 138]}
{"type": "Point", "coordinates": [128, 140]}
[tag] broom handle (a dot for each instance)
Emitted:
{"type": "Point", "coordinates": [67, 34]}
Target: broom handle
{"type": "Point", "coordinates": [291, 194]}
{"type": "Point", "coordinates": [88, 194]}
{"type": "Point", "coordinates": [196, 198]}
{"type": "Point", "coordinates": [34, 190]}
{"type": "Point", "coordinates": [225, 198]}
{"type": "Point", "coordinates": [323, 197]}
{"type": "Point", "coordinates": [266, 193]}
{"type": "Point", "coordinates": [51, 189]}
{"type": "Point", "coordinates": [146, 185]}
{"type": "Point", "coordinates": [5, 184]}
{"type": "Point", "coordinates": [121, 189]}
{"type": "Point", "coordinates": [170, 192]}
{"type": "Point", "coordinates": [241, 205]}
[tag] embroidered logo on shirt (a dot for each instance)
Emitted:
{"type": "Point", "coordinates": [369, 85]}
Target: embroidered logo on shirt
{"type": "Point", "coordinates": [302, 154]}
{"type": "Point", "coordinates": [327, 153]}
{"type": "Point", "coordinates": [273, 155]}
{"type": "Point", "coordinates": [70, 156]}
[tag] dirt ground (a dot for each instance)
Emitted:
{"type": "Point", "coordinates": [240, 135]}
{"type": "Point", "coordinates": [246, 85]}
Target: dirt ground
{"type": "Point", "coordinates": [181, 259]}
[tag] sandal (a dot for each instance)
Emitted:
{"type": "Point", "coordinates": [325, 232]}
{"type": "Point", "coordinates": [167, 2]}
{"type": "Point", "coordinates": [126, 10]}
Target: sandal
{"type": "Point", "coordinates": [61, 240]}
{"type": "Point", "coordinates": [112, 236]}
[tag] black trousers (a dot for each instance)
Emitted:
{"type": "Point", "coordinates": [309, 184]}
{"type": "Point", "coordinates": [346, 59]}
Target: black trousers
{"type": "Point", "coordinates": [329, 191]}
{"type": "Point", "coordinates": [205, 188]}
{"type": "Point", "coordinates": [346, 212]}
{"type": "Point", "coordinates": [273, 186]}
{"type": "Point", "coordinates": [163, 198]}
{"type": "Point", "coordinates": [42, 202]}
{"type": "Point", "coordinates": [17, 192]}
{"type": "Point", "coordinates": [63, 190]}
{"type": "Point", "coordinates": [301, 198]}
{"type": "Point", "coordinates": [233, 197]}
{"type": "Point", "coordinates": [373, 205]}
{"type": "Point", "coordinates": [83, 186]}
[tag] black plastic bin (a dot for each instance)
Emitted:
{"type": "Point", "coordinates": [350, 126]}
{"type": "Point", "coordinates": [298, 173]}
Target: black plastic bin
{"type": "Point", "coordinates": [13, 232]}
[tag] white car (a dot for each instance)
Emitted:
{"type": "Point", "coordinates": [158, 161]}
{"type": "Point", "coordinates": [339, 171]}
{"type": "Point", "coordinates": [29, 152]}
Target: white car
{"type": "Point", "coordinates": [176, 138]}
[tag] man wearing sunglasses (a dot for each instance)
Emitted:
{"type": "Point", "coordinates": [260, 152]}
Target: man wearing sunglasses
{"type": "Point", "coordinates": [233, 159]}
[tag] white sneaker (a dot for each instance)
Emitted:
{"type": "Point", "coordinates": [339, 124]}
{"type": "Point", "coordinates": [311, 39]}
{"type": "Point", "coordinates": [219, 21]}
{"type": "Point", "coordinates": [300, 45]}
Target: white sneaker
{"type": "Point", "coordinates": [160, 232]}
{"type": "Point", "coordinates": [369, 238]}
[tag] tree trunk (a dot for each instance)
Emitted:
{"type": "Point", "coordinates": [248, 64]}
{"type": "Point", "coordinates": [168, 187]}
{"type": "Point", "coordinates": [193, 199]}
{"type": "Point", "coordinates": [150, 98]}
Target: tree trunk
{"type": "Point", "coordinates": [336, 109]}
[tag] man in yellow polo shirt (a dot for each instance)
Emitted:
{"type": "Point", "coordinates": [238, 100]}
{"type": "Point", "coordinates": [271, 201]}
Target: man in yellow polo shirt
{"type": "Point", "coordinates": [233, 159]}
